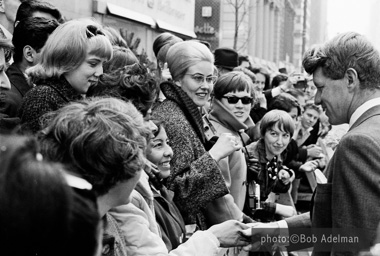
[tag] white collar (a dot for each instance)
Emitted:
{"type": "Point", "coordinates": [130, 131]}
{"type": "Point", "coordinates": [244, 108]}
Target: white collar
{"type": "Point", "coordinates": [308, 130]}
{"type": "Point", "coordinates": [363, 108]}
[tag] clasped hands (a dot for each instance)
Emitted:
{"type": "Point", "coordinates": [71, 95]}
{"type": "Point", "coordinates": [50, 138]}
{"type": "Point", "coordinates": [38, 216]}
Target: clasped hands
{"type": "Point", "coordinates": [262, 235]}
{"type": "Point", "coordinates": [250, 236]}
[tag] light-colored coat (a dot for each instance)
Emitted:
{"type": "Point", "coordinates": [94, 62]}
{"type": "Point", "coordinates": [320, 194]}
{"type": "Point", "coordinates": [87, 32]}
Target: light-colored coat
{"type": "Point", "coordinates": [234, 166]}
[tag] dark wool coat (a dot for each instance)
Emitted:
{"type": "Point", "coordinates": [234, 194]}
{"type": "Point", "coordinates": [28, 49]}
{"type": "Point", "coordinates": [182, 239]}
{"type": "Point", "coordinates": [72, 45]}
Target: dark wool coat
{"type": "Point", "coordinates": [42, 99]}
{"type": "Point", "coordinates": [195, 179]}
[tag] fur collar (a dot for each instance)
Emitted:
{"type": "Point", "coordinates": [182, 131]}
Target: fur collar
{"type": "Point", "coordinates": [190, 109]}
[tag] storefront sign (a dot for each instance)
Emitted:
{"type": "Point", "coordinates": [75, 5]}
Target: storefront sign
{"type": "Point", "coordinates": [205, 29]}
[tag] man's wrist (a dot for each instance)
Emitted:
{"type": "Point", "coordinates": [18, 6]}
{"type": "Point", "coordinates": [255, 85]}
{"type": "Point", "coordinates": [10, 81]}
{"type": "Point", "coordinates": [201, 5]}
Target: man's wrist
{"type": "Point", "coordinates": [375, 250]}
{"type": "Point", "coordinates": [282, 89]}
{"type": "Point", "coordinates": [283, 232]}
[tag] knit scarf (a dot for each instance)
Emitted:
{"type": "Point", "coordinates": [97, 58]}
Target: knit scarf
{"type": "Point", "coordinates": [190, 109]}
{"type": "Point", "coordinates": [222, 115]}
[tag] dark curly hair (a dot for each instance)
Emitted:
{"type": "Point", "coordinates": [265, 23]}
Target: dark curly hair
{"type": "Point", "coordinates": [344, 51]}
{"type": "Point", "coordinates": [130, 83]}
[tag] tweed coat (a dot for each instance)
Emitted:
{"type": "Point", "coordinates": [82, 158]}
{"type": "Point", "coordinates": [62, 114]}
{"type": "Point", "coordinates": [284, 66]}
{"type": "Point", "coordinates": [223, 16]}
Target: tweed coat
{"type": "Point", "coordinates": [113, 241]}
{"type": "Point", "coordinates": [351, 197]}
{"type": "Point", "coordinates": [195, 178]}
{"type": "Point", "coordinates": [51, 95]}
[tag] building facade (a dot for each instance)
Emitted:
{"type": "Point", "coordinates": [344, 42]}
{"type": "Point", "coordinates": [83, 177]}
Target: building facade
{"type": "Point", "coordinates": [301, 28]}
{"type": "Point", "coordinates": [274, 33]}
{"type": "Point", "coordinates": [144, 18]}
{"type": "Point", "coordinates": [318, 22]}
{"type": "Point", "coordinates": [261, 29]}
{"type": "Point", "coordinates": [207, 21]}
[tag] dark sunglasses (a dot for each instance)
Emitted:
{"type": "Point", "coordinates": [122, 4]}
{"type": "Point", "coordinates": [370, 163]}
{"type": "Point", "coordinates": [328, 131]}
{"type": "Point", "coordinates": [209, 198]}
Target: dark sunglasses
{"type": "Point", "coordinates": [233, 99]}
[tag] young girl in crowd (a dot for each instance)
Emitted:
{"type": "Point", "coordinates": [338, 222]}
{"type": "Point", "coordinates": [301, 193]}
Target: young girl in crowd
{"type": "Point", "coordinates": [168, 217]}
{"type": "Point", "coordinates": [231, 104]}
{"type": "Point", "coordinates": [276, 129]}
{"type": "Point", "coordinates": [71, 61]}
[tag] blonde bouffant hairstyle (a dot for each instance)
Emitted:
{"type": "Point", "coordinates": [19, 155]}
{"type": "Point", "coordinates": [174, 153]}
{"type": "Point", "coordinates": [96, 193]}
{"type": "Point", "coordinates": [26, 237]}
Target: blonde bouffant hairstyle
{"type": "Point", "coordinates": [183, 55]}
{"type": "Point", "coordinates": [67, 48]}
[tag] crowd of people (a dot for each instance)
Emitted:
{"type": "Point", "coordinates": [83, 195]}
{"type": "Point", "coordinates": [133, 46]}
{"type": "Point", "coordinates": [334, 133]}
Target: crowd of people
{"type": "Point", "coordinates": [102, 155]}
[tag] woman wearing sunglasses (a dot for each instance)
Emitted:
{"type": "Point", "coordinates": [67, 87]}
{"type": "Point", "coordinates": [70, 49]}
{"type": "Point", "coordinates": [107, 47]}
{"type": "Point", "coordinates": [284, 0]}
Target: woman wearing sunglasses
{"type": "Point", "coordinates": [200, 190]}
{"type": "Point", "coordinates": [232, 102]}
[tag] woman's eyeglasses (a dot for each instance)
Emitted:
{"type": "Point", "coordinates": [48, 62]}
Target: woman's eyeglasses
{"type": "Point", "coordinates": [200, 79]}
{"type": "Point", "coordinates": [233, 99]}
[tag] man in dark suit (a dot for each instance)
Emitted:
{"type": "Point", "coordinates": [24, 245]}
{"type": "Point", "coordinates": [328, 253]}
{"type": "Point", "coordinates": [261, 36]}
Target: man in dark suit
{"type": "Point", "coordinates": [346, 71]}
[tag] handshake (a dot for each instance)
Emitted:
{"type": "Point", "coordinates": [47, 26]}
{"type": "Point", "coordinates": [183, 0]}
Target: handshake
{"type": "Point", "coordinates": [251, 236]}
{"type": "Point", "coordinates": [233, 233]}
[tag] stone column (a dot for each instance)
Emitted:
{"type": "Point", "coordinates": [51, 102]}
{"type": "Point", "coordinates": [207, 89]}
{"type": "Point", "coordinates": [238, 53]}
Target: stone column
{"type": "Point", "coordinates": [260, 29]}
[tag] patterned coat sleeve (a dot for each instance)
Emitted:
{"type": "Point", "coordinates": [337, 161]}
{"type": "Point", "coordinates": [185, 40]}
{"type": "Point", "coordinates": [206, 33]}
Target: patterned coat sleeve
{"type": "Point", "coordinates": [37, 102]}
{"type": "Point", "coordinates": [195, 176]}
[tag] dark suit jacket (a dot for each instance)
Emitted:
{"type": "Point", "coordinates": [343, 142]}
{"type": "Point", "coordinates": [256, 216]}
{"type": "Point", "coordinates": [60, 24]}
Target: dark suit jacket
{"type": "Point", "coordinates": [351, 198]}
{"type": "Point", "coordinates": [10, 99]}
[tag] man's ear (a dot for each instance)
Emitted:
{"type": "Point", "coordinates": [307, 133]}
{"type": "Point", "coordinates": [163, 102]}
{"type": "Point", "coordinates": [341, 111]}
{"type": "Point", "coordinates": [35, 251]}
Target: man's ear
{"type": "Point", "coordinates": [178, 83]}
{"type": "Point", "coordinates": [353, 79]}
{"type": "Point", "coordinates": [29, 53]}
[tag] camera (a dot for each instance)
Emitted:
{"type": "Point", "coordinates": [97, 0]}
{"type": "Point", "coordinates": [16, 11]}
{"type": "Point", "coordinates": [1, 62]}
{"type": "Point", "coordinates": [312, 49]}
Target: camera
{"type": "Point", "coordinates": [299, 78]}
{"type": "Point", "coordinates": [209, 129]}
{"type": "Point", "coordinates": [300, 82]}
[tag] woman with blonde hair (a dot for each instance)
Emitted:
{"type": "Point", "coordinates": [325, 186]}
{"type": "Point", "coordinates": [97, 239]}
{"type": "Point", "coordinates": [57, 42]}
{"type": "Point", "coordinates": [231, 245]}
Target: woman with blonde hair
{"type": "Point", "coordinates": [71, 61]}
{"type": "Point", "coordinates": [200, 190]}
